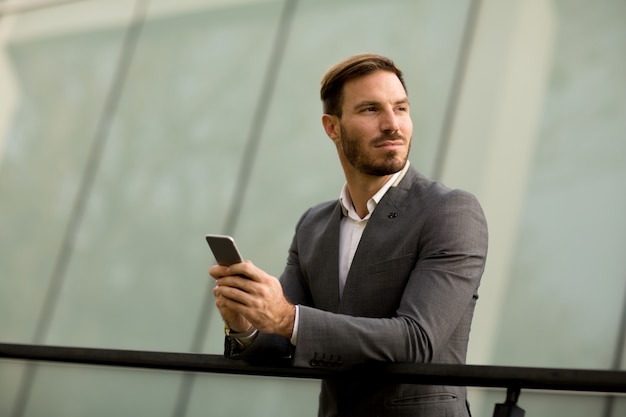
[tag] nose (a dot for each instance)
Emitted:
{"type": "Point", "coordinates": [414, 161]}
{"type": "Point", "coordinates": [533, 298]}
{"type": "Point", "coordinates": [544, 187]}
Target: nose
{"type": "Point", "coordinates": [389, 121]}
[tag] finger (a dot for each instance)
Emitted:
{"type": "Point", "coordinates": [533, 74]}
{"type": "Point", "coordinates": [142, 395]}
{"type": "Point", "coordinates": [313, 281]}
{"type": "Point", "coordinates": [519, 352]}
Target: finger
{"type": "Point", "coordinates": [218, 271]}
{"type": "Point", "coordinates": [239, 283]}
{"type": "Point", "coordinates": [232, 293]}
{"type": "Point", "coordinates": [245, 269]}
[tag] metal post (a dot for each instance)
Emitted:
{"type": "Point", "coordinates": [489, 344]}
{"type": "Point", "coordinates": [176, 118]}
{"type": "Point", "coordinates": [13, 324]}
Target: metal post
{"type": "Point", "coordinates": [509, 408]}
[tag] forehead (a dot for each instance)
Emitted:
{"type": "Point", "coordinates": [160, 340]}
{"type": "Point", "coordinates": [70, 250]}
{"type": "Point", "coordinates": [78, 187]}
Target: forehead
{"type": "Point", "coordinates": [379, 86]}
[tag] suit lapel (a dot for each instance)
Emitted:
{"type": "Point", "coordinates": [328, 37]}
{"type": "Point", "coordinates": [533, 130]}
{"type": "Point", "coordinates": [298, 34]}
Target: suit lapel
{"type": "Point", "coordinates": [388, 216]}
{"type": "Point", "coordinates": [328, 247]}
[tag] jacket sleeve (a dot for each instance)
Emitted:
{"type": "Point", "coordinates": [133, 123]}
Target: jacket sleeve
{"type": "Point", "coordinates": [432, 321]}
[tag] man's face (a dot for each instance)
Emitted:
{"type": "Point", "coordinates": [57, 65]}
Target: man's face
{"type": "Point", "coordinates": [375, 129]}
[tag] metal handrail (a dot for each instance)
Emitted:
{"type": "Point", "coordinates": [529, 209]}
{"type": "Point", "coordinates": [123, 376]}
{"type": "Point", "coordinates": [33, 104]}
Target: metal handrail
{"type": "Point", "coordinates": [513, 378]}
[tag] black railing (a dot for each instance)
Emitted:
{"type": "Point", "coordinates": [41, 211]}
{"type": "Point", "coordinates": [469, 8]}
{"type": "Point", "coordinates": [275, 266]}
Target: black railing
{"type": "Point", "coordinates": [513, 379]}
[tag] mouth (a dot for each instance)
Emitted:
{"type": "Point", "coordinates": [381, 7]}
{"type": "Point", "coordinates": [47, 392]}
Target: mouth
{"type": "Point", "coordinates": [389, 141]}
{"type": "Point", "coordinates": [390, 144]}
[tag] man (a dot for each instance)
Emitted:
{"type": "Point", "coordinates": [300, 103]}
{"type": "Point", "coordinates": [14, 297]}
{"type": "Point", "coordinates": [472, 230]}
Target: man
{"type": "Point", "coordinates": [389, 272]}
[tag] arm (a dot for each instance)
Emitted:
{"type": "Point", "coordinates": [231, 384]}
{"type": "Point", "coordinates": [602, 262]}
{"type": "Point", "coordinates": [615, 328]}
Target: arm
{"type": "Point", "coordinates": [433, 315]}
{"type": "Point", "coordinates": [431, 321]}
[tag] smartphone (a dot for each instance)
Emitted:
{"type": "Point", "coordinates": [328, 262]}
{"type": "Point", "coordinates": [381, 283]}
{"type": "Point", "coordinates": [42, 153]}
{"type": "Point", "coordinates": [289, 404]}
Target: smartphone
{"type": "Point", "coordinates": [224, 249]}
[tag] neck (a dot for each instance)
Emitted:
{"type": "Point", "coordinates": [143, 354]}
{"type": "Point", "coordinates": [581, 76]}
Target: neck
{"type": "Point", "coordinates": [362, 188]}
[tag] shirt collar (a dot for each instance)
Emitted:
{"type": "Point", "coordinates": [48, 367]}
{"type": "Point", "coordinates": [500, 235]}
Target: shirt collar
{"type": "Point", "coordinates": [346, 202]}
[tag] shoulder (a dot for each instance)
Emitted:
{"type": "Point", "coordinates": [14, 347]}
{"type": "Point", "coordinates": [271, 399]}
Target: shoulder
{"type": "Point", "coordinates": [430, 193]}
{"type": "Point", "coordinates": [319, 213]}
{"type": "Point", "coordinates": [436, 207]}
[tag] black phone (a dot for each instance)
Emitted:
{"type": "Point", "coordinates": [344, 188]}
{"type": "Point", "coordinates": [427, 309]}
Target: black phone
{"type": "Point", "coordinates": [224, 249]}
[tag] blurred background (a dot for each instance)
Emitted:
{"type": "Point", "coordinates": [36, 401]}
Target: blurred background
{"type": "Point", "coordinates": [130, 129]}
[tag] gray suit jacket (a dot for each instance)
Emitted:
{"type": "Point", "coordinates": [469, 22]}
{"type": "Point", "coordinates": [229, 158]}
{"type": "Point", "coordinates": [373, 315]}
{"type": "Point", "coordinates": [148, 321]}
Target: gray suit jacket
{"type": "Point", "coordinates": [409, 297]}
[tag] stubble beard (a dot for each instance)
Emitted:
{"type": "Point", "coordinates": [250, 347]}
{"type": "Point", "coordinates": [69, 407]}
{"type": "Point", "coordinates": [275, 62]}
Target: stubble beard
{"type": "Point", "coordinates": [390, 163]}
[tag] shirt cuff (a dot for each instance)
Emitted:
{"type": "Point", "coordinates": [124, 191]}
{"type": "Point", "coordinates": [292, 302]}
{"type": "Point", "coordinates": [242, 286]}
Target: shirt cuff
{"type": "Point", "coordinates": [294, 334]}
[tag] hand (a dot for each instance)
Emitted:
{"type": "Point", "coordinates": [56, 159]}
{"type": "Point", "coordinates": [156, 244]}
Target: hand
{"type": "Point", "coordinates": [235, 321]}
{"type": "Point", "coordinates": [249, 297]}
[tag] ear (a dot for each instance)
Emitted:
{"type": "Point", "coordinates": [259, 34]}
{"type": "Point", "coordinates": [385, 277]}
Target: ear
{"type": "Point", "coordinates": [331, 126]}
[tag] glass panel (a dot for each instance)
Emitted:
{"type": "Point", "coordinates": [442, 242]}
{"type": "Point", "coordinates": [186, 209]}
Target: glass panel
{"type": "Point", "coordinates": [61, 82]}
{"type": "Point", "coordinates": [166, 179]}
{"type": "Point", "coordinates": [565, 305]}
{"type": "Point", "coordinates": [10, 374]}
{"type": "Point", "coordinates": [62, 390]}
{"type": "Point", "coordinates": [546, 404]}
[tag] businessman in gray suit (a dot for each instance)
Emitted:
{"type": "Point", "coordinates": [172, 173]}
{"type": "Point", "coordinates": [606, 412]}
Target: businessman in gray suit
{"type": "Point", "coordinates": [389, 272]}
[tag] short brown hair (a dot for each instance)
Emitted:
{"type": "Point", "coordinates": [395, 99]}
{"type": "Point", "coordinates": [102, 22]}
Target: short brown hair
{"type": "Point", "coordinates": [352, 67]}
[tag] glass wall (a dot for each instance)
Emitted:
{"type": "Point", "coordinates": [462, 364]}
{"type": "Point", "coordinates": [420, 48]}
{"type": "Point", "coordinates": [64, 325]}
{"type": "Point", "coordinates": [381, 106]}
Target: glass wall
{"type": "Point", "coordinates": [129, 130]}
{"type": "Point", "coordinates": [564, 305]}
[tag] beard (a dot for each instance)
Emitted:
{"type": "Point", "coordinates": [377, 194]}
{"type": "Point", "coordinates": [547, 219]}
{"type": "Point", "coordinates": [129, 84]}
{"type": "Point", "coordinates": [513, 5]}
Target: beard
{"type": "Point", "coordinates": [390, 163]}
